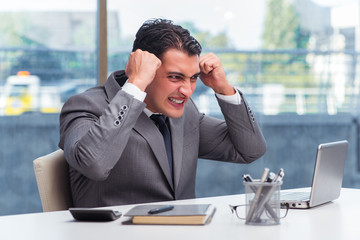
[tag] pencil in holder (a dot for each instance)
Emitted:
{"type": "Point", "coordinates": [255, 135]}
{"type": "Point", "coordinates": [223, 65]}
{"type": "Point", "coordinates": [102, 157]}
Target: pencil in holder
{"type": "Point", "coordinates": [262, 202]}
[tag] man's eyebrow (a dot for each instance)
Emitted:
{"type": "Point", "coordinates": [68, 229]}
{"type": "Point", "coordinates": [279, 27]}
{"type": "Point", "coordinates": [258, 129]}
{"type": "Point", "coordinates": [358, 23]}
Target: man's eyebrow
{"type": "Point", "coordinates": [197, 74]}
{"type": "Point", "coordinates": [183, 75]}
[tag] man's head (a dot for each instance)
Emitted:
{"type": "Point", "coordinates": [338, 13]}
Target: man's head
{"type": "Point", "coordinates": [175, 79]}
{"type": "Point", "coordinates": [159, 35]}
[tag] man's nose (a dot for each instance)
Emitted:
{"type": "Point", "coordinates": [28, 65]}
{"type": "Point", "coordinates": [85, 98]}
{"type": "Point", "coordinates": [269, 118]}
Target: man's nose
{"type": "Point", "coordinates": [186, 89]}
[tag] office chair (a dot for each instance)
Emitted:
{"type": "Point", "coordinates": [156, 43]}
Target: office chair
{"type": "Point", "coordinates": [51, 173]}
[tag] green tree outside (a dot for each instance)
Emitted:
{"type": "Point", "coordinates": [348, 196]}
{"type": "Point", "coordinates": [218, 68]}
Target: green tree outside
{"type": "Point", "coordinates": [283, 32]}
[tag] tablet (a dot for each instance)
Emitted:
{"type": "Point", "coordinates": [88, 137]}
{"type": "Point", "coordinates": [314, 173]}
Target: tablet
{"type": "Point", "coordinates": [96, 215]}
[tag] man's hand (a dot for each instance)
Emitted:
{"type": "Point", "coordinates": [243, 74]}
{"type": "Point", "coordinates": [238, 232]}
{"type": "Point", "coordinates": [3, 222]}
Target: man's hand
{"type": "Point", "coordinates": [141, 68]}
{"type": "Point", "coordinates": [213, 75]}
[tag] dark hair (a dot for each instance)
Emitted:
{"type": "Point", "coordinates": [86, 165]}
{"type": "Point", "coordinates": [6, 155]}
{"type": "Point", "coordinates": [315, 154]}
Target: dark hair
{"type": "Point", "coordinates": [159, 35]}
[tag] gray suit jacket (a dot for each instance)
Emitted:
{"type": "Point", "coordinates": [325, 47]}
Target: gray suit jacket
{"type": "Point", "coordinates": [116, 161]}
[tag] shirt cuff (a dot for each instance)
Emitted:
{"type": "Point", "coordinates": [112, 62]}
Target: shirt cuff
{"type": "Point", "coordinates": [134, 91]}
{"type": "Point", "coordinates": [232, 99]}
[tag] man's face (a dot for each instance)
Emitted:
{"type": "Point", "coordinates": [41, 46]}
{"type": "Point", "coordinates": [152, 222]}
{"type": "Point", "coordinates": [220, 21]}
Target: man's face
{"type": "Point", "coordinates": [174, 83]}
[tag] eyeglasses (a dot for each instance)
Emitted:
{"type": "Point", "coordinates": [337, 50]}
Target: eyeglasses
{"type": "Point", "coordinates": [239, 210]}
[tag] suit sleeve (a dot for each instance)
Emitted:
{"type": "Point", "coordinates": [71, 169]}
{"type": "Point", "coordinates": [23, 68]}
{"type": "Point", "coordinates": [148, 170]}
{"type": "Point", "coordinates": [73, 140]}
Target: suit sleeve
{"type": "Point", "coordinates": [93, 132]}
{"type": "Point", "coordinates": [237, 139]}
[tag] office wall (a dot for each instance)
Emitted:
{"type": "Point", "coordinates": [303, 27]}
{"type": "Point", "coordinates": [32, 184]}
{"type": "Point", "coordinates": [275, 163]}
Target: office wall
{"type": "Point", "coordinates": [22, 140]}
{"type": "Point", "coordinates": [291, 144]}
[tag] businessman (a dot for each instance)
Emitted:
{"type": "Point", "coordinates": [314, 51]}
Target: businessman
{"type": "Point", "coordinates": [138, 138]}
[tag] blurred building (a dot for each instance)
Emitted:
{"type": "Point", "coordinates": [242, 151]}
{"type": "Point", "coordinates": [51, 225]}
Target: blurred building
{"type": "Point", "coordinates": [58, 30]}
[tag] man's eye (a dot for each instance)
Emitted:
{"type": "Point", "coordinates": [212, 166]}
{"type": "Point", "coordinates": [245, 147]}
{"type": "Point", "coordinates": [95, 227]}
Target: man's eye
{"type": "Point", "coordinates": [174, 77]}
{"type": "Point", "coordinates": [193, 79]}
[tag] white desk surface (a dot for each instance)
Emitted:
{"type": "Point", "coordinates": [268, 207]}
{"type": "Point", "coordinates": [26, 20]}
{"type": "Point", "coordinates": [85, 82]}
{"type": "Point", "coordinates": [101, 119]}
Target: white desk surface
{"type": "Point", "coordinates": [338, 220]}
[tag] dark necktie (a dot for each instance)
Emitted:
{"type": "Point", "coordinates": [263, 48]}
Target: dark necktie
{"type": "Point", "coordinates": [164, 129]}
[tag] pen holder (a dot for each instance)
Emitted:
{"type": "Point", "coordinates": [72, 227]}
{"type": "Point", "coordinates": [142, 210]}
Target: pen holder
{"type": "Point", "coordinates": [262, 203]}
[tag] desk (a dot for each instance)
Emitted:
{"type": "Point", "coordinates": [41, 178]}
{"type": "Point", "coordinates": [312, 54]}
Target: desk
{"type": "Point", "coordinates": [336, 220]}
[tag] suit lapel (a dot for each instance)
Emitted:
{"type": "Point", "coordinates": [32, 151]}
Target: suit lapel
{"type": "Point", "coordinates": [152, 135]}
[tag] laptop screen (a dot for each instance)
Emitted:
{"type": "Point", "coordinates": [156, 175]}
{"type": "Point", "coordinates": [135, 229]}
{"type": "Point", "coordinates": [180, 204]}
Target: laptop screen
{"type": "Point", "coordinates": [328, 172]}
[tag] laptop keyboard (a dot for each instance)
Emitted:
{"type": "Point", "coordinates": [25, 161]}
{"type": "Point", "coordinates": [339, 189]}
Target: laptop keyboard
{"type": "Point", "coordinates": [294, 196]}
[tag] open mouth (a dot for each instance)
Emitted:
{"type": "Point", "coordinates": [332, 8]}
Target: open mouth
{"type": "Point", "coordinates": [176, 101]}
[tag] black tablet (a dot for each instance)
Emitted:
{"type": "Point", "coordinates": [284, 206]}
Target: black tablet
{"type": "Point", "coordinates": [96, 215]}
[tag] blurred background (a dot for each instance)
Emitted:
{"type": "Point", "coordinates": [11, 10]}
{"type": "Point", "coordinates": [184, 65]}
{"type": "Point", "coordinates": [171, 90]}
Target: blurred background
{"type": "Point", "coordinates": [296, 61]}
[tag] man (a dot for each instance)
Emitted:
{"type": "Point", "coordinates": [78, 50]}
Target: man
{"type": "Point", "coordinates": [115, 151]}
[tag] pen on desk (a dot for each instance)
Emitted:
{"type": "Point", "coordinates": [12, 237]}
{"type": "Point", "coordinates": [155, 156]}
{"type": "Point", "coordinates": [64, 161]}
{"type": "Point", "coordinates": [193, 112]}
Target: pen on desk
{"type": "Point", "coordinates": [263, 202]}
{"type": "Point", "coordinates": [271, 177]}
{"type": "Point", "coordinates": [161, 209]}
{"type": "Point", "coordinates": [265, 173]}
{"type": "Point", "coordinates": [256, 197]}
{"type": "Point", "coordinates": [247, 178]}
{"type": "Point", "coordinates": [267, 196]}
{"type": "Point", "coordinates": [280, 175]}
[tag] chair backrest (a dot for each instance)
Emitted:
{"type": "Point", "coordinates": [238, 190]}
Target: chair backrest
{"type": "Point", "coordinates": [51, 173]}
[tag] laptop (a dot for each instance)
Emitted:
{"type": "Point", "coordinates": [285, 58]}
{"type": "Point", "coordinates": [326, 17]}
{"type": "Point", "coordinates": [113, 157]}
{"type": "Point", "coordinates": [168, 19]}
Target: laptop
{"type": "Point", "coordinates": [327, 178]}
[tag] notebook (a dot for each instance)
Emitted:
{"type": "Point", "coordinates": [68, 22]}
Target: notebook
{"type": "Point", "coordinates": [192, 214]}
{"type": "Point", "coordinates": [327, 178]}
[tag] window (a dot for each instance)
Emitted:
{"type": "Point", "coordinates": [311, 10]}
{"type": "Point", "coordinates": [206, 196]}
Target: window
{"type": "Point", "coordinates": [47, 53]}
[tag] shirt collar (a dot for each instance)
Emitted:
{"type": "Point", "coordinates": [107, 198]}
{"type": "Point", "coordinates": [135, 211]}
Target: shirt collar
{"type": "Point", "coordinates": [149, 113]}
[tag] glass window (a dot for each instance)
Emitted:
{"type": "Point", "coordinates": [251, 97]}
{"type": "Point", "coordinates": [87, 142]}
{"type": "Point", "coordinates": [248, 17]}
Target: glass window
{"type": "Point", "coordinates": [47, 54]}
